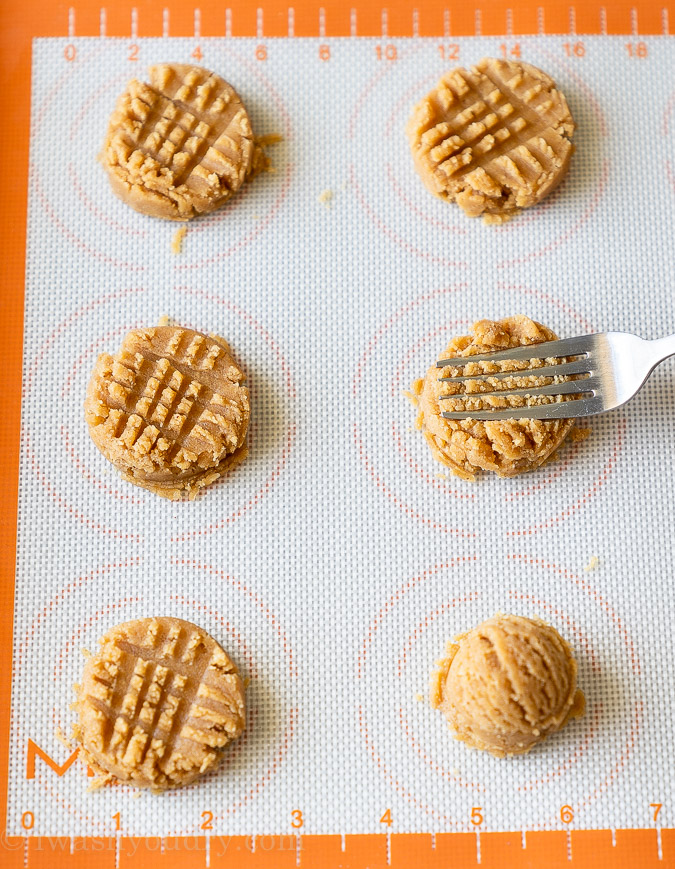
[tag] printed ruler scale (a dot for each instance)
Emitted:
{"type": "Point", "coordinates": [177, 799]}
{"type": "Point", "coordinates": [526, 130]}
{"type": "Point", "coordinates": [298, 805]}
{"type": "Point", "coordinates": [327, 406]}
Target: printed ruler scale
{"type": "Point", "coordinates": [334, 19]}
{"type": "Point", "coordinates": [388, 27]}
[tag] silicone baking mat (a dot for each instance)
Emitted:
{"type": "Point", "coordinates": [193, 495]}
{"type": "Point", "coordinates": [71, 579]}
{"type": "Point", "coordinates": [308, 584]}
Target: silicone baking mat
{"type": "Point", "coordinates": [335, 563]}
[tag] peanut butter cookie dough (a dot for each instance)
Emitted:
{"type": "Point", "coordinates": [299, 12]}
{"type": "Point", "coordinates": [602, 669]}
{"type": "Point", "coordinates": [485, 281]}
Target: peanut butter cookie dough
{"type": "Point", "coordinates": [180, 145]}
{"type": "Point", "coordinates": [507, 685]}
{"type": "Point", "coordinates": [170, 410]}
{"type": "Point", "coordinates": [158, 703]}
{"type": "Point", "coordinates": [493, 139]}
{"type": "Point", "coordinates": [507, 447]}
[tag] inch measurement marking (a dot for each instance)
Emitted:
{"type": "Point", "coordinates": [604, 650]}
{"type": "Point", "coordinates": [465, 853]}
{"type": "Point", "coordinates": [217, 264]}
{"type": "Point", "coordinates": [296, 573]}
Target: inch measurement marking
{"type": "Point", "coordinates": [398, 850]}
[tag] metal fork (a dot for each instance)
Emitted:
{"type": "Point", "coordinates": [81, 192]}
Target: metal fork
{"type": "Point", "coordinates": [609, 369]}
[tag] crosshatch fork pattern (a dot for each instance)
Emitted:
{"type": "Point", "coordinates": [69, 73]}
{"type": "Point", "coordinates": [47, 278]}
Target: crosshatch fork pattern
{"type": "Point", "coordinates": [497, 115]}
{"type": "Point", "coordinates": [156, 398]}
{"type": "Point", "coordinates": [168, 395]}
{"type": "Point", "coordinates": [154, 693]}
{"type": "Point", "coordinates": [186, 124]}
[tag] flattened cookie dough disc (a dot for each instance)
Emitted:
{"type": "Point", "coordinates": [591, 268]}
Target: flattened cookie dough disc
{"type": "Point", "coordinates": [507, 685]}
{"type": "Point", "coordinates": [158, 703]}
{"type": "Point", "coordinates": [509, 446]}
{"type": "Point", "coordinates": [180, 145]}
{"type": "Point", "coordinates": [493, 139]}
{"type": "Point", "coordinates": [170, 410]}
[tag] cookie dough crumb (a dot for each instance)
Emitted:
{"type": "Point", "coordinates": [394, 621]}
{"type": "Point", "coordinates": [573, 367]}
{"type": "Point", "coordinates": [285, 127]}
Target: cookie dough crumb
{"type": "Point", "coordinates": [166, 320]}
{"type": "Point", "coordinates": [64, 740]}
{"type": "Point", "coordinates": [592, 564]}
{"type": "Point", "coordinates": [261, 159]}
{"type": "Point", "coordinates": [99, 782]}
{"type": "Point", "coordinates": [269, 139]}
{"type": "Point", "coordinates": [177, 242]}
{"type": "Point", "coordinates": [325, 197]}
{"type": "Point", "coordinates": [507, 684]}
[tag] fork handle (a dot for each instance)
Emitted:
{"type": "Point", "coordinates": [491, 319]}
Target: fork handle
{"type": "Point", "coordinates": [663, 348]}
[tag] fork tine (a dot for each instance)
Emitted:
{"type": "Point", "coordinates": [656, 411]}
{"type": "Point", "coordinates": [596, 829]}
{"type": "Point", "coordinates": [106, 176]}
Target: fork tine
{"type": "Point", "coordinates": [588, 385]}
{"type": "Point", "coordinates": [555, 410]}
{"type": "Point", "coordinates": [567, 347]}
{"type": "Point", "coordinates": [564, 369]}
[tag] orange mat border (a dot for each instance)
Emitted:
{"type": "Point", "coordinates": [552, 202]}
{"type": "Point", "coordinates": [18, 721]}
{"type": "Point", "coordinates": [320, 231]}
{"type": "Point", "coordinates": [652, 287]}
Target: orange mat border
{"type": "Point", "coordinates": [580, 849]}
{"type": "Point", "coordinates": [19, 23]}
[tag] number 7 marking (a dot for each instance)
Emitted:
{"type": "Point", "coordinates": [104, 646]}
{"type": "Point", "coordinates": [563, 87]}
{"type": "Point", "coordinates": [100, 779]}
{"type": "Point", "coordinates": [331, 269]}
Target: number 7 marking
{"type": "Point", "coordinates": [657, 809]}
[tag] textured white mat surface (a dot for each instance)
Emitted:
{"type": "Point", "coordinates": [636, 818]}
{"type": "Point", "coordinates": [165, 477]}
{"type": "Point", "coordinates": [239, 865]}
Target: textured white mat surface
{"type": "Point", "coordinates": [334, 563]}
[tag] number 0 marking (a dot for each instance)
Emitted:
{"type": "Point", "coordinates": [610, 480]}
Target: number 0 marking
{"type": "Point", "coordinates": [657, 809]}
{"type": "Point", "coordinates": [28, 820]}
{"type": "Point", "coordinates": [386, 818]}
{"type": "Point", "coordinates": [207, 823]}
{"type": "Point", "coordinates": [477, 816]}
{"type": "Point", "coordinates": [70, 53]}
{"type": "Point", "coordinates": [298, 820]}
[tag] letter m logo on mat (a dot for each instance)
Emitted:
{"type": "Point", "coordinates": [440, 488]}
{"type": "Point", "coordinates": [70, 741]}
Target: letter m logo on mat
{"type": "Point", "coordinates": [34, 751]}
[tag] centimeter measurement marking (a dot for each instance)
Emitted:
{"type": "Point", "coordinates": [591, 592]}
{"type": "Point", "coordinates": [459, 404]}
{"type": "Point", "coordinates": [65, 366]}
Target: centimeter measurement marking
{"type": "Point", "coordinates": [333, 19]}
{"type": "Point", "coordinates": [583, 849]}
{"type": "Point", "coordinates": [387, 52]}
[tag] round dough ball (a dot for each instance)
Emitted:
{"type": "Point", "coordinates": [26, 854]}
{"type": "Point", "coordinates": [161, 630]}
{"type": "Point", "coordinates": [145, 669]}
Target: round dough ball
{"type": "Point", "coordinates": [158, 703]}
{"type": "Point", "coordinates": [180, 145]}
{"type": "Point", "coordinates": [507, 447]}
{"type": "Point", "coordinates": [507, 685]}
{"type": "Point", "coordinates": [493, 139]}
{"type": "Point", "coordinates": [170, 410]}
